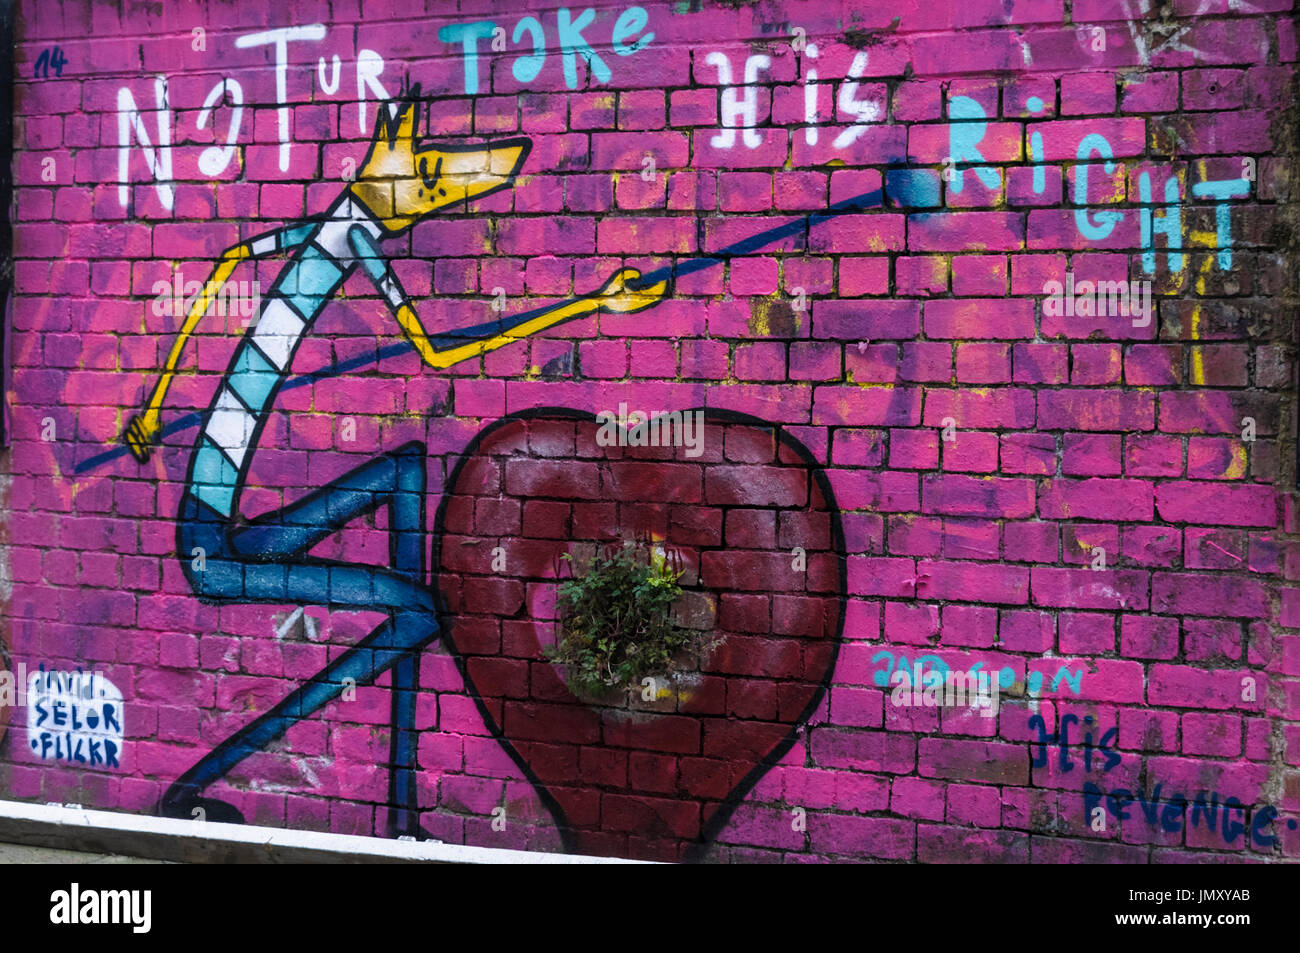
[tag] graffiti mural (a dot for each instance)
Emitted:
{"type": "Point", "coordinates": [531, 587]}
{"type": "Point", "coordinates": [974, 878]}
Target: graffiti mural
{"type": "Point", "coordinates": [265, 559]}
{"type": "Point", "coordinates": [941, 348]}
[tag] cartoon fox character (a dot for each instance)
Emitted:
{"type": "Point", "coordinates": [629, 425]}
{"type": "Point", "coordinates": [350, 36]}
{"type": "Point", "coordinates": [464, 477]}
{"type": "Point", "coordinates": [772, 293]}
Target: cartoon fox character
{"type": "Point", "coordinates": [228, 558]}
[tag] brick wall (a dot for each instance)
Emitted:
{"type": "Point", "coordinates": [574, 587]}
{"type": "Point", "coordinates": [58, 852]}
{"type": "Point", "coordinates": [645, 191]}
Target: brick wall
{"type": "Point", "coordinates": [989, 309]}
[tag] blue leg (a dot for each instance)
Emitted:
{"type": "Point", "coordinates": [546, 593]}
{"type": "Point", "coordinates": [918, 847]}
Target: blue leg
{"type": "Point", "coordinates": [402, 789]}
{"type": "Point", "coordinates": [265, 561]}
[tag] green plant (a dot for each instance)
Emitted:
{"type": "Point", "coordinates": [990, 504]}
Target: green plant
{"type": "Point", "coordinates": [616, 620]}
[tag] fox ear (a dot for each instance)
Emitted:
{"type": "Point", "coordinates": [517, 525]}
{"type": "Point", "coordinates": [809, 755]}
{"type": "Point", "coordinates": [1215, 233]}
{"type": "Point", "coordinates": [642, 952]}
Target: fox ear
{"type": "Point", "coordinates": [400, 127]}
{"type": "Point", "coordinates": [406, 124]}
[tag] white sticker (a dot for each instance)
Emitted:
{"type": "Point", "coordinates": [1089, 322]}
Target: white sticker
{"type": "Point", "coordinates": [75, 717]}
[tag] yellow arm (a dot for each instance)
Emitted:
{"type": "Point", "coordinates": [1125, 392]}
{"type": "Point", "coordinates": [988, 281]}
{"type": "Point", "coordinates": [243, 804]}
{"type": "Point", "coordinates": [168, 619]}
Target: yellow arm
{"type": "Point", "coordinates": [614, 296]}
{"type": "Point", "coordinates": [142, 431]}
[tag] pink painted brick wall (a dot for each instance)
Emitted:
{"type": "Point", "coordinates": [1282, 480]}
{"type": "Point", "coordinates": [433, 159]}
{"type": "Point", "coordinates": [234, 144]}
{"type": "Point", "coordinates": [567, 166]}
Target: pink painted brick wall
{"type": "Point", "coordinates": [1094, 506]}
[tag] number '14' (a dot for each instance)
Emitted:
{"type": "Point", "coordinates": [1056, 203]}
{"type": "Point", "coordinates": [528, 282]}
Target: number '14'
{"type": "Point", "coordinates": [47, 59]}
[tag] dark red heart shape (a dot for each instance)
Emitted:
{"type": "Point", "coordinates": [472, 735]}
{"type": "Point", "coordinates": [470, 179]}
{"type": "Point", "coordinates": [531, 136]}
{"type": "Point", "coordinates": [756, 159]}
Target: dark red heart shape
{"type": "Point", "coordinates": [627, 777]}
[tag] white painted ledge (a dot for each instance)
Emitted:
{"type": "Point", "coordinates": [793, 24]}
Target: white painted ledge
{"type": "Point", "coordinates": [181, 841]}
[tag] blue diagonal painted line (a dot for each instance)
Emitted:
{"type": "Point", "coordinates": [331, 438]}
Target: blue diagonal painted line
{"type": "Point", "coordinates": [686, 266]}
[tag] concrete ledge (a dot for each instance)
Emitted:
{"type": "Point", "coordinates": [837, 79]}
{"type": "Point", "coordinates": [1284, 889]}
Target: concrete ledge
{"type": "Point", "coordinates": [194, 842]}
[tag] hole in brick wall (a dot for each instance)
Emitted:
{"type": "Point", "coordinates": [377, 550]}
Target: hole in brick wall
{"type": "Point", "coordinates": [633, 777]}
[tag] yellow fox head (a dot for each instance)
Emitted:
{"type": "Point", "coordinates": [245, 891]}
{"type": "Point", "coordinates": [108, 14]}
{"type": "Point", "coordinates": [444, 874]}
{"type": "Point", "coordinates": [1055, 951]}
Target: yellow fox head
{"type": "Point", "coordinates": [402, 180]}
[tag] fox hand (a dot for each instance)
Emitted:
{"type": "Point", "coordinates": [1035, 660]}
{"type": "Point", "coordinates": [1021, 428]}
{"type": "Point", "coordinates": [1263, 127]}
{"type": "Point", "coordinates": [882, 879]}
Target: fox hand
{"type": "Point", "coordinates": [621, 294]}
{"type": "Point", "coordinates": [140, 435]}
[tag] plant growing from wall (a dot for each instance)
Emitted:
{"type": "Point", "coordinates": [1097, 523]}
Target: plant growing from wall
{"type": "Point", "coordinates": [616, 618]}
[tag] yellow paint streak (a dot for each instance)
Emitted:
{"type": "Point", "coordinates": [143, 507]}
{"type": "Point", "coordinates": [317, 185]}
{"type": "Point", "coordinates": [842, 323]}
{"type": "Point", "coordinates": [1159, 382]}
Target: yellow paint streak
{"type": "Point", "coordinates": [1237, 468]}
{"type": "Point", "coordinates": [773, 316]}
{"type": "Point", "coordinates": [1205, 240]}
{"type": "Point", "coordinates": [1118, 190]}
{"type": "Point", "coordinates": [1198, 357]}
